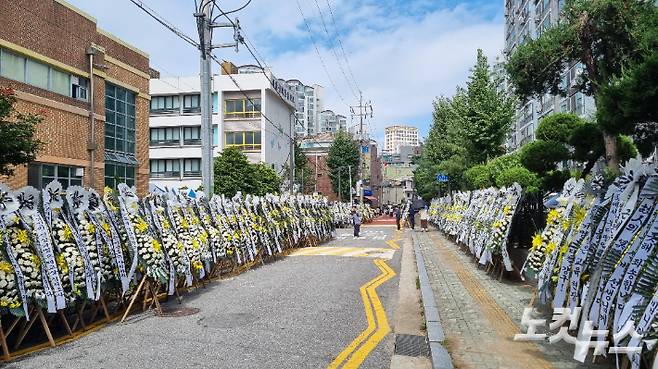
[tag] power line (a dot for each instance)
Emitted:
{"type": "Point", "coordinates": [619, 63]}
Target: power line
{"type": "Point", "coordinates": [333, 49]}
{"type": "Point", "coordinates": [340, 43]}
{"type": "Point", "coordinates": [317, 51]}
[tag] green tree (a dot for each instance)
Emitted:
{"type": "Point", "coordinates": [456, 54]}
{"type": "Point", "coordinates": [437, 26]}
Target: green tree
{"type": "Point", "coordinates": [607, 37]}
{"type": "Point", "coordinates": [343, 155]}
{"type": "Point", "coordinates": [488, 113]}
{"type": "Point", "coordinates": [18, 144]}
{"type": "Point", "coordinates": [265, 180]}
{"type": "Point", "coordinates": [233, 173]}
{"type": "Point", "coordinates": [303, 171]}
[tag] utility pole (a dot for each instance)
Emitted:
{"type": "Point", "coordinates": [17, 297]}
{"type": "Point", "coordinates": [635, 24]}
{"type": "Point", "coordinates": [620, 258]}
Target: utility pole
{"type": "Point", "coordinates": [340, 196]}
{"type": "Point", "coordinates": [292, 156]}
{"type": "Point", "coordinates": [349, 168]}
{"type": "Point", "coordinates": [205, 26]}
{"type": "Point", "coordinates": [362, 113]}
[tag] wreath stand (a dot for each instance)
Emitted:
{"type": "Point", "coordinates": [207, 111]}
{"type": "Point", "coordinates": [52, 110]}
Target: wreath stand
{"type": "Point", "coordinates": [150, 289]}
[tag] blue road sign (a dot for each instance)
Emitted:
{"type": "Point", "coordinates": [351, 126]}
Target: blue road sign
{"type": "Point", "coordinates": [442, 178]}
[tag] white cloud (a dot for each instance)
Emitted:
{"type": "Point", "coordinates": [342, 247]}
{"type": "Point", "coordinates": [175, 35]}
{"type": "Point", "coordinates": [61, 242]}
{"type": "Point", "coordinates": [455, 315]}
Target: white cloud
{"type": "Point", "coordinates": [401, 56]}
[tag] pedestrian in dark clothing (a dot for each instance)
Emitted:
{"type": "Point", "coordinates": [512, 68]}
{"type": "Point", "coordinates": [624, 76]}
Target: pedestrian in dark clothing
{"type": "Point", "coordinates": [356, 220]}
{"type": "Point", "coordinates": [412, 217]}
{"type": "Point", "coordinates": [398, 216]}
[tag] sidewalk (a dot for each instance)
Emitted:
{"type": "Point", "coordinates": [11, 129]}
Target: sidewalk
{"type": "Point", "coordinates": [480, 315]}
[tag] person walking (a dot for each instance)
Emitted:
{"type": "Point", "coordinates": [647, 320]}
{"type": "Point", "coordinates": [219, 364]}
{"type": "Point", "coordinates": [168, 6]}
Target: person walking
{"type": "Point", "coordinates": [356, 220]}
{"type": "Point", "coordinates": [398, 216]}
{"type": "Point", "coordinates": [424, 214]}
{"type": "Point", "coordinates": [412, 217]}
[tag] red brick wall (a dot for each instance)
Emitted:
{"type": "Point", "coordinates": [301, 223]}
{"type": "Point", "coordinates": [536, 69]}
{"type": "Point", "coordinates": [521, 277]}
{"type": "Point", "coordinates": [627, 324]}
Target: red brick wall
{"type": "Point", "coordinates": [51, 29]}
{"type": "Point", "coordinates": [323, 181]}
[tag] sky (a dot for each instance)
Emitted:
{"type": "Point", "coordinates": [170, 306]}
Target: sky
{"type": "Point", "coordinates": [401, 54]}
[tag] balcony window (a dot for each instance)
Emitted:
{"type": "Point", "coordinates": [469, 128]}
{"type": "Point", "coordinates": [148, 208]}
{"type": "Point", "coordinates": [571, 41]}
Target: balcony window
{"type": "Point", "coordinates": [165, 168]}
{"type": "Point", "coordinates": [242, 108]}
{"type": "Point", "coordinates": [169, 136]}
{"type": "Point", "coordinates": [247, 141]}
{"type": "Point", "coordinates": [192, 135]}
{"type": "Point", "coordinates": [165, 104]}
{"type": "Point", "coordinates": [192, 168]}
{"type": "Point", "coordinates": [191, 103]}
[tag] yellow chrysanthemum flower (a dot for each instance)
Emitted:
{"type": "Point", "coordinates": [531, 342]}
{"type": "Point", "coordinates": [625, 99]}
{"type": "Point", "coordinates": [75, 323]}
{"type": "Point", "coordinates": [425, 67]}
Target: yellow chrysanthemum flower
{"type": "Point", "coordinates": [553, 215]}
{"type": "Point", "coordinates": [23, 237]}
{"type": "Point", "coordinates": [36, 261]}
{"type": "Point", "coordinates": [197, 265]}
{"type": "Point", "coordinates": [68, 234]}
{"type": "Point", "coordinates": [91, 229]}
{"type": "Point", "coordinates": [156, 246]}
{"type": "Point", "coordinates": [6, 267]}
{"type": "Point", "coordinates": [550, 247]}
{"type": "Point", "coordinates": [61, 263]}
{"type": "Point", "coordinates": [184, 224]}
{"type": "Point", "coordinates": [195, 244]}
{"type": "Point", "coordinates": [536, 241]}
{"type": "Point", "coordinates": [142, 226]}
{"type": "Point", "coordinates": [106, 227]}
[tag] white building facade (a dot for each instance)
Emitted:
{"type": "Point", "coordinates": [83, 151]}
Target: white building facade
{"type": "Point", "coordinates": [260, 124]}
{"type": "Point", "coordinates": [309, 104]}
{"type": "Point", "coordinates": [524, 20]}
{"type": "Point", "coordinates": [397, 136]}
{"type": "Point", "coordinates": [332, 122]}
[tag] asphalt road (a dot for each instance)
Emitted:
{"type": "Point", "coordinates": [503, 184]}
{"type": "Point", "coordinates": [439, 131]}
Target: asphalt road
{"type": "Point", "coordinates": [297, 312]}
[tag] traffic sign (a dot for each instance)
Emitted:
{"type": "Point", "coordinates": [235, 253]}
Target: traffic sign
{"type": "Point", "coordinates": [442, 178]}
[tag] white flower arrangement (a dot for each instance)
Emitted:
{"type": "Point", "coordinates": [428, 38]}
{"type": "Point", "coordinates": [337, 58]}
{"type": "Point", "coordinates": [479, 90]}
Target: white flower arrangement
{"type": "Point", "coordinates": [68, 260]}
{"type": "Point", "coordinates": [9, 293]}
{"type": "Point", "coordinates": [149, 249]}
{"type": "Point", "coordinates": [28, 261]}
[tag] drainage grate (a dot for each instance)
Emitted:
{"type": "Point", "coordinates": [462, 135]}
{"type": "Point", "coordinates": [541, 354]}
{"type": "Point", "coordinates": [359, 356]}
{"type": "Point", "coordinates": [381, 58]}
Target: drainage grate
{"type": "Point", "coordinates": [409, 345]}
{"type": "Point", "coordinates": [175, 312]}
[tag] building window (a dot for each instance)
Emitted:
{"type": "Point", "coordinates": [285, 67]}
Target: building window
{"type": "Point", "coordinates": [116, 173]}
{"type": "Point", "coordinates": [39, 175]}
{"type": "Point", "coordinates": [119, 119]}
{"type": "Point", "coordinates": [192, 168]}
{"type": "Point", "coordinates": [192, 135]}
{"type": "Point", "coordinates": [248, 141]}
{"type": "Point", "coordinates": [169, 136]}
{"type": "Point", "coordinates": [165, 104]}
{"type": "Point", "coordinates": [191, 103]}
{"type": "Point", "coordinates": [242, 108]}
{"type": "Point", "coordinates": [165, 168]}
{"type": "Point", "coordinates": [35, 73]}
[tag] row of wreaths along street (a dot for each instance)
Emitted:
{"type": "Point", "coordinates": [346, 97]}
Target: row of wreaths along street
{"type": "Point", "coordinates": [593, 247]}
{"type": "Point", "coordinates": [73, 260]}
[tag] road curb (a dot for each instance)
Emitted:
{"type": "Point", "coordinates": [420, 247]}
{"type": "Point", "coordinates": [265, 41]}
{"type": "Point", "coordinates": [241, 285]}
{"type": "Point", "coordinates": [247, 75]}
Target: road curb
{"type": "Point", "coordinates": [440, 356]}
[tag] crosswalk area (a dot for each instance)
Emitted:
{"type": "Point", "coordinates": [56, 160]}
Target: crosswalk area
{"type": "Point", "coordinates": [359, 252]}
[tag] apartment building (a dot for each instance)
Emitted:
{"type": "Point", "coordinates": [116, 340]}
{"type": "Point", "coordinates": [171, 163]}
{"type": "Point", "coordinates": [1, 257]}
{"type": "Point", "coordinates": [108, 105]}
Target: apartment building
{"type": "Point", "coordinates": [91, 88]}
{"type": "Point", "coordinates": [332, 122]}
{"type": "Point", "coordinates": [528, 19]}
{"type": "Point", "coordinates": [309, 105]}
{"type": "Point", "coordinates": [398, 136]}
{"type": "Point", "coordinates": [257, 118]}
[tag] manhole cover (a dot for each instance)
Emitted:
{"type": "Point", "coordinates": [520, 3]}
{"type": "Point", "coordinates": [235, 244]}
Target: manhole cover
{"type": "Point", "coordinates": [409, 345]}
{"type": "Point", "coordinates": [174, 312]}
{"type": "Point", "coordinates": [229, 320]}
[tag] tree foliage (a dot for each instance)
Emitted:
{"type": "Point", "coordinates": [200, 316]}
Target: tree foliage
{"type": "Point", "coordinates": [467, 129]}
{"type": "Point", "coordinates": [343, 158]}
{"type": "Point", "coordinates": [18, 144]}
{"type": "Point", "coordinates": [233, 173]}
{"type": "Point", "coordinates": [608, 37]}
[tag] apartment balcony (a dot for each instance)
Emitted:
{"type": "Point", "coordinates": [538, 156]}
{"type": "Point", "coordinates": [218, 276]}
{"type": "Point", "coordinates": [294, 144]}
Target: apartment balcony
{"type": "Point", "coordinates": [164, 143]}
{"type": "Point", "coordinates": [242, 115]}
{"type": "Point", "coordinates": [172, 174]}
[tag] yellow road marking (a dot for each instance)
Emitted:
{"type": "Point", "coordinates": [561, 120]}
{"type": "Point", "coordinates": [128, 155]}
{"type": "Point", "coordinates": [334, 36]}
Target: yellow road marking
{"type": "Point", "coordinates": [394, 243]}
{"type": "Point", "coordinates": [370, 302]}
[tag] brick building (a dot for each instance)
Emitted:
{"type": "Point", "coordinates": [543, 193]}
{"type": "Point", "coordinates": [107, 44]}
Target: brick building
{"type": "Point", "coordinates": [60, 63]}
